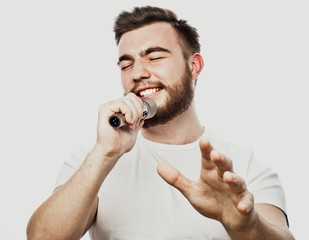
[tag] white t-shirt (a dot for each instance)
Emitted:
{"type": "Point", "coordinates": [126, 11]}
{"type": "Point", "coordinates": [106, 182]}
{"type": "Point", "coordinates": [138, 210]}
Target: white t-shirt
{"type": "Point", "coordinates": [135, 203]}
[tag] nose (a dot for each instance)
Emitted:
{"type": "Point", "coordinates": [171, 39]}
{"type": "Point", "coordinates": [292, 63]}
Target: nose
{"type": "Point", "coordinates": [140, 72]}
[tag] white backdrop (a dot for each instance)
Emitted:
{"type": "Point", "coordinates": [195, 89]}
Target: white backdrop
{"type": "Point", "coordinates": [58, 64]}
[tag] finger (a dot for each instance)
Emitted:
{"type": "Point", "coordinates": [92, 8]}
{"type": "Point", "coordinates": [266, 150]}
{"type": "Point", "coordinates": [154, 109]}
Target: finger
{"type": "Point", "coordinates": [222, 162]}
{"type": "Point", "coordinates": [127, 108]}
{"type": "Point", "coordinates": [246, 203]}
{"type": "Point", "coordinates": [135, 105]}
{"type": "Point", "coordinates": [140, 124]}
{"type": "Point", "coordinates": [173, 177]}
{"type": "Point", "coordinates": [238, 186]}
{"type": "Point", "coordinates": [124, 108]}
{"type": "Point", "coordinates": [236, 183]}
{"type": "Point", "coordinates": [138, 106]}
{"type": "Point", "coordinates": [206, 149]}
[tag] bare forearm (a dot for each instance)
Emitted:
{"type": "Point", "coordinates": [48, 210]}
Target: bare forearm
{"type": "Point", "coordinates": [261, 230]}
{"type": "Point", "coordinates": [65, 214]}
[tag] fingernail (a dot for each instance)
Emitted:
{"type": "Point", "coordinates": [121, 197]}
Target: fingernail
{"type": "Point", "coordinates": [222, 156]}
{"type": "Point", "coordinates": [249, 209]}
{"type": "Point", "coordinates": [234, 177]}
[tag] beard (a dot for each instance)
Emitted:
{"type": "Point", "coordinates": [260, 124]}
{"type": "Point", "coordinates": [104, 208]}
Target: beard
{"type": "Point", "coordinates": [179, 98]}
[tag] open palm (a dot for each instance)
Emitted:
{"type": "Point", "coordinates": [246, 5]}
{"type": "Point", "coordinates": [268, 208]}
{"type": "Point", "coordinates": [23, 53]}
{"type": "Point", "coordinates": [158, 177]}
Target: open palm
{"type": "Point", "coordinates": [219, 193]}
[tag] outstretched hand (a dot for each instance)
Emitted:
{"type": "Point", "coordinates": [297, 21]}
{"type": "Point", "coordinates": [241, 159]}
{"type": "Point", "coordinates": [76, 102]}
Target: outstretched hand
{"type": "Point", "coordinates": [219, 193]}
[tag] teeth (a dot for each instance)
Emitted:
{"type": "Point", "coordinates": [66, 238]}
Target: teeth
{"type": "Point", "coordinates": [148, 91]}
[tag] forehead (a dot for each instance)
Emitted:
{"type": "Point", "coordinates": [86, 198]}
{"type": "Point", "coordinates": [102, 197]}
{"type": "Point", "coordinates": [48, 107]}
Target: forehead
{"type": "Point", "coordinates": [156, 34]}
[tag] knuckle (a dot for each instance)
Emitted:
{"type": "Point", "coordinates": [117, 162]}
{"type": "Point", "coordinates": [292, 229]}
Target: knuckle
{"type": "Point", "coordinates": [243, 184]}
{"type": "Point", "coordinates": [102, 107]}
{"type": "Point", "coordinates": [131, 96]}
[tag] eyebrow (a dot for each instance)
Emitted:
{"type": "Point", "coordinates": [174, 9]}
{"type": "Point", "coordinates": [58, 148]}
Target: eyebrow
{"type": "Point", "coordinates": [143, 53]}
{"type": "Point", "coordinates": [154, 49]}
{"type": "Point", "coordinates": [124, 58]}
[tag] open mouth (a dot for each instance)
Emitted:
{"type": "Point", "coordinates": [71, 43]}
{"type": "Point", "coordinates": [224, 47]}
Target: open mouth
{"type": "Point", "coordinates": [148, 92]}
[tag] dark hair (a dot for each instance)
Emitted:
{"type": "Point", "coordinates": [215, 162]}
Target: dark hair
{"type": "Point", "coordinates": [141, 16]}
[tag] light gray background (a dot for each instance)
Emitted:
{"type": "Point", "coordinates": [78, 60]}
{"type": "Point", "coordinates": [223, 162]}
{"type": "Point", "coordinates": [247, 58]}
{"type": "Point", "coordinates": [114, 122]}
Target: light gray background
{"type": "Point", "coordinates": [58, 64]}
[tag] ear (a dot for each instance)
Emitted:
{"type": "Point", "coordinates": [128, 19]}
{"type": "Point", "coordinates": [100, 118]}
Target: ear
{"type": "Point", "coordinates": [196, 65]}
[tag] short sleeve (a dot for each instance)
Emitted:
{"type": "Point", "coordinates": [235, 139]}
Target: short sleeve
{"type": "Point", "coordinates": [265, 184]}
{"type": "Point", "coordinates": [70, 166]}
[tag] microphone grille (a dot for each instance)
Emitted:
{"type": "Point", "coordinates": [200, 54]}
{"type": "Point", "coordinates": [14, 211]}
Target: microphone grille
{"type": "Point", "coordinates": [151, 105]}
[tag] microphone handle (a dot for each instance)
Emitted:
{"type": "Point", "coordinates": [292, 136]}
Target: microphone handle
{"type": "Point", "coordinates": [117, 120]}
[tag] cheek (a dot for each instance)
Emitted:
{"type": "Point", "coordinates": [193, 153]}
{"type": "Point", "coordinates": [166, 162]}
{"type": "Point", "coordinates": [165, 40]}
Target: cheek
{"type": "Point", "coordinates": [168, 71]}
{"type": "Point", "coordinates": [125, 81]}
{"type": "Point", "coordinates": [164, 73]}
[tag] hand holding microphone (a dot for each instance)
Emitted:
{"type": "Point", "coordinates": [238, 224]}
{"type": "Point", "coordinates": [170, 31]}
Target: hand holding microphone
{"type": "Point", "coordinates": [111, 141]}
{"type": "Point", "coordinates": [149, 110]}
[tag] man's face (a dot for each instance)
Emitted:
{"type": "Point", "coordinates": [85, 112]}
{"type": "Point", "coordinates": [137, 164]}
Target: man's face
{"type": "Point", "coordinates": [152, 65]}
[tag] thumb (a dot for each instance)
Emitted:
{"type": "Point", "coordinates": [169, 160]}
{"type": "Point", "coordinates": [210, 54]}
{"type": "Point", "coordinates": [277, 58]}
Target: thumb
{"type": "Point", "coordinates": [173, 177]}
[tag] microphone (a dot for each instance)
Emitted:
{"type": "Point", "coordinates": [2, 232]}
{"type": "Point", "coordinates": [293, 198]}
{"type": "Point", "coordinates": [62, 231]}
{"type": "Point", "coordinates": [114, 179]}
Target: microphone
{"type": "Point", "coordinates": [149, 110]}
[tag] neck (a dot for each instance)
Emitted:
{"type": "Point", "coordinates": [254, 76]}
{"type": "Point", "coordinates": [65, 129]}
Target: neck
{"type": "Point", "coordinates": [183, 129]}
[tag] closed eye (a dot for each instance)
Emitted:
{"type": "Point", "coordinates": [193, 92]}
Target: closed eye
{"type": "Point", "coordinates": [156, 58]}
{"type": "Point", "coordinates": [125, 67]}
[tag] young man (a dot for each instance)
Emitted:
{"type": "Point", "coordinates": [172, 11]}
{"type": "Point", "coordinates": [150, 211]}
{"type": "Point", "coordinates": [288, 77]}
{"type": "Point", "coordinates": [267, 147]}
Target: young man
{"type": "Point", "coordinates": [117, 187]}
